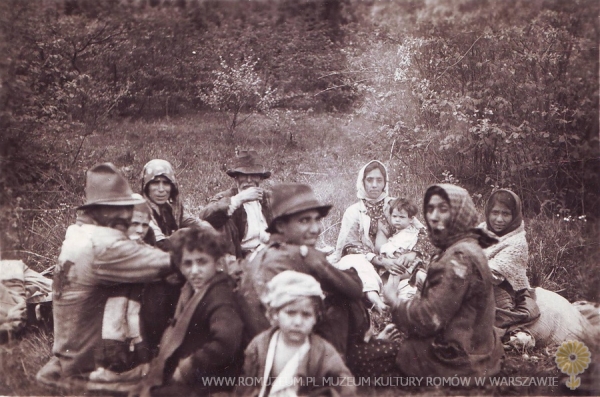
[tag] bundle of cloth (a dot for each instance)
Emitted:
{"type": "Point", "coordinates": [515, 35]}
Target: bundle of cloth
{"type": "Point", "coordinates": [561, 320]}
{"type": "Point", "coordinates": [19, 285]}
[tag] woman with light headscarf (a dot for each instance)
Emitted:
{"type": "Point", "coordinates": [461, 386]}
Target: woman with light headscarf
{"type": "Point", "coordinates": [162, 193]}
{"type": "Point", "coordinates": [365, 228]}
{"type": "Point", "coordinates": [161, 190]}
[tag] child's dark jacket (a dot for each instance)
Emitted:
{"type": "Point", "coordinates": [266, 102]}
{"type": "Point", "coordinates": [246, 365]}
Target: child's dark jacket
{"type": "Point", "coordinates": [203, 342]}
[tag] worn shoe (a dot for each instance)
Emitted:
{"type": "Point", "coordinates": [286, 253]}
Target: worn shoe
{"type": "Point", "coordinates": [50, 375]}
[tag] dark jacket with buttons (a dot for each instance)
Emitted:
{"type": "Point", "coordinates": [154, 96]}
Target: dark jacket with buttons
{"type": "Point", "coordinates": [450, 324]}
{"type": "Point", "coordinates": [210, 345]}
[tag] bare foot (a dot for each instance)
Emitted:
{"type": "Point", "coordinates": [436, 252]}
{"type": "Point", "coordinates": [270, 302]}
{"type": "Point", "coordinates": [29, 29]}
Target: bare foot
{"type": "Point", "coordinates": [378, 304]}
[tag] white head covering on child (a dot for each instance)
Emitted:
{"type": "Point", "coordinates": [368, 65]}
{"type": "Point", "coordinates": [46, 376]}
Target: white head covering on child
{"type": "Point", "coordinates": [288, 286]}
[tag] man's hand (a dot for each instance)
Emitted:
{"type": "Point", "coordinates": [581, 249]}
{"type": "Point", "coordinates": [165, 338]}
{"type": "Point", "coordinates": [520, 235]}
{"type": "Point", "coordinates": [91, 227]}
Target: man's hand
{"type": "Point", "coordinates": [250, 194]}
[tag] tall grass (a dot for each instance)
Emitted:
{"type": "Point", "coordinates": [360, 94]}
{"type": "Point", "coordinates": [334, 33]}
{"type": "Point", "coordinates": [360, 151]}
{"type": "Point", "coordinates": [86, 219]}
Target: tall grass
{"type": "Point", "coordinates": [564, 256]}
{"type": "Point", "coordinates": [324, 151]}
{"type": "Point", "coordinates": [21, 359]}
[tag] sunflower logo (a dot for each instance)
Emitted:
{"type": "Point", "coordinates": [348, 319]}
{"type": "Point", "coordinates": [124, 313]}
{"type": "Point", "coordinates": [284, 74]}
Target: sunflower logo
{"type": "Point", "coordinates": [572, 358]}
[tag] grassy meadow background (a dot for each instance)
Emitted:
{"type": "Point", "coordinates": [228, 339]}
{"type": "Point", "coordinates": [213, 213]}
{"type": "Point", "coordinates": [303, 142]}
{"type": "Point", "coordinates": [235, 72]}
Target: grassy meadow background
{"type": "Point", "coordinates": [326, 153]}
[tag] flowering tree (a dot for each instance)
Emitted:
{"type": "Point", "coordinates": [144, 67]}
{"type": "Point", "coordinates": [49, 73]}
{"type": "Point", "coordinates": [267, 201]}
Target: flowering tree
{"type": "Point", "coordinates": [237, 91]}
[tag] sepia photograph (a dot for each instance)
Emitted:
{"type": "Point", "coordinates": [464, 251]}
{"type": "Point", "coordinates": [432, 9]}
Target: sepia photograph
{"type": "Point", "coordinates": [299, 198]}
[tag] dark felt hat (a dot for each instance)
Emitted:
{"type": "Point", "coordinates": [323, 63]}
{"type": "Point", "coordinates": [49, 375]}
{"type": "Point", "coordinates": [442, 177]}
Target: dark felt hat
{"type": "Point", "coordinates": [247, 162]}
{"type": "Point", "coordinates": [105, 185]}
{"type": "Point", "coordinates": [292, 198]}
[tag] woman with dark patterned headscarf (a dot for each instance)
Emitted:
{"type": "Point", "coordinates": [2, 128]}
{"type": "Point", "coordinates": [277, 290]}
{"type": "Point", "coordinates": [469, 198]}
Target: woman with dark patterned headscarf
{"type": "Point", "coordinates": [450, 324]}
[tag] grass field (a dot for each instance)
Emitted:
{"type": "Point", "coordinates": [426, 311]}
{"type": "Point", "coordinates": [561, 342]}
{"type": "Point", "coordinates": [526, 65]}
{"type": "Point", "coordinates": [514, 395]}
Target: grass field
{"type": "Point", "coordinates": [324, 151]}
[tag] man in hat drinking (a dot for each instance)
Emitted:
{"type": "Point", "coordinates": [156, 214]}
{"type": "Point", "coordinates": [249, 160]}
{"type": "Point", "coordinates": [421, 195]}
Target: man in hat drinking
{"type": "Point", "coordinates": [295, 229]}
{"type": "Point", "coordinates": [95, 256]}
{"type": "Point", "coordinates": [243, 212]}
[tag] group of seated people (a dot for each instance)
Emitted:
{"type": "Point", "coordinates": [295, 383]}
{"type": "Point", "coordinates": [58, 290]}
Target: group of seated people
{"type": "Point", "coordinates": [149, 300]}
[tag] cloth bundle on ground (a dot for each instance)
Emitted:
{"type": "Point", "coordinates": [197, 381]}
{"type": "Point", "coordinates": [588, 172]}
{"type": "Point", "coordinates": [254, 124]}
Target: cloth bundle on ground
{"type": "Point", "coordinates": [561, 320]}
{"type": "Point", "coordinates": [20, 285]}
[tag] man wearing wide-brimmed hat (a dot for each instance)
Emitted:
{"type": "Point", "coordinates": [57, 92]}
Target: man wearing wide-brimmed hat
{"type": "Point", "coordinates": [243, 212]}
{"type": "Point", "coordinates": [295, 229]}
{"type": "Point", "coordinates": [95, 256]}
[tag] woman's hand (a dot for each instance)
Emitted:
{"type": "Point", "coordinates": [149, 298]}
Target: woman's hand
{"type": "Point", "coordinates": [391, 265]}
{"type": "Point", "coordinates": [390, 291]}
{"type": "Point", "coordinates": [420, 278]}
{"type": "Point", "coordinates": [405, 260]}
{"type": "Point", "coordinates": [389, 333]}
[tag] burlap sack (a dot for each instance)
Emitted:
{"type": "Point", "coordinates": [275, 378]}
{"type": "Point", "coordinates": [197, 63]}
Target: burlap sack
{"type": "Point", "coordinates": [559, 320]}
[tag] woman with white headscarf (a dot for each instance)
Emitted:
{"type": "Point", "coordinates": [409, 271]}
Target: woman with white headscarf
{"type": "Point", "coordinates": [365, 228]}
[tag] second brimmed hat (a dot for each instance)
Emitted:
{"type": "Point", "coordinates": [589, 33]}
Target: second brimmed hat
{"type": "Point", "coordinates": [292, 198]}
{"type": "Point", "coordinates": [105, 185]}
{"type": "Point", "coordinates": [247, 162]}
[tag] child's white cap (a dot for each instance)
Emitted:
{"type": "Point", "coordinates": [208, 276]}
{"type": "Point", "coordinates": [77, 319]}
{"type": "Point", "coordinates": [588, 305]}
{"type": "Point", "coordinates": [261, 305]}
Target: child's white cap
{"type": "Point", "coordinates": [288, 286]}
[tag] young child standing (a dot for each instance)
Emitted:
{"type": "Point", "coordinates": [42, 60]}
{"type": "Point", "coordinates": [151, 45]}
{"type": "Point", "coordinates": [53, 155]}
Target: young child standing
{"type": "Point", "coordinates": [289, 358]}
{"type": "Point", "coordinates": [123, 347]}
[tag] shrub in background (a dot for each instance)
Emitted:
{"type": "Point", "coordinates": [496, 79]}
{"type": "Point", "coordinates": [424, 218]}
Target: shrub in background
{"type": "Point", "coordinates": [239, 91]}
{"type": "Point", "coordinates": [497, 98]}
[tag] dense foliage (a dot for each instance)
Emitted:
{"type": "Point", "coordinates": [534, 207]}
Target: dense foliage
{"type": "Point", "coordinates": [496, 93]}
{"type": "Point", "coordinates": [484, 93]}
{"type": "Point", "coordinates": [70, 66]}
